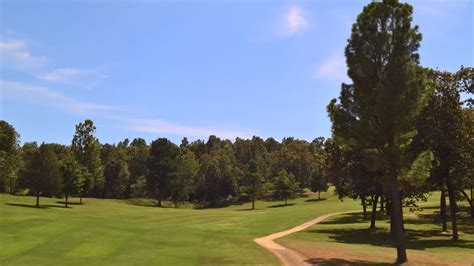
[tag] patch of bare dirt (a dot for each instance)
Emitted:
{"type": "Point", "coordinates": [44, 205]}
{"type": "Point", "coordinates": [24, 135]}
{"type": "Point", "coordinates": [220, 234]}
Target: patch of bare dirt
{"type": "Point", "coordinates": [340, 254]}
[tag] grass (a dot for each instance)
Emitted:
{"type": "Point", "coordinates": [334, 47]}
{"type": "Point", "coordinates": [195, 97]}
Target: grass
{"type": "Point", "coordinates": [345, 239]}
{"type": "Point", "coordinates": [116, 232]}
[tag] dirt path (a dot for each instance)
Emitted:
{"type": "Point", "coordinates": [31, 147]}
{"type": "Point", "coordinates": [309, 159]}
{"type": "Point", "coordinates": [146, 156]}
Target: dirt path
{"type": "Point", "coordinates": [287, 256]}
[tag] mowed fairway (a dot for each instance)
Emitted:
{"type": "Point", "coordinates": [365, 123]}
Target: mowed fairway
{"type": "Point", "coordinates": [115, 232]}
{"type": "Point", "coordinates": [345, 239]}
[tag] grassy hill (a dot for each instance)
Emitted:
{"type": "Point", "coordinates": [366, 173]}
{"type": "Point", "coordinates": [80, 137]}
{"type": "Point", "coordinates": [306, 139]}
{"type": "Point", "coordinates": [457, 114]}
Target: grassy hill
{"type": "Point", "coordinates": [116, 232]}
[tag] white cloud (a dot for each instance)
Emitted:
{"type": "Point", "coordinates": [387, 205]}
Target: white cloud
{"type": "Point", "coordinates": [48, 97]}
{"type": "Point", "coordinates": [45, 96]}
{"type": "Point", "coordinates": [159, 126]}
{"type": "Point", "coordinates": [15, 53]}
{"type": "Point", "coordinates": [294, 21]}
{"type": "Point", "coordinates": [60, 75]}
{"type": "Point", "coordinates": [333, 68]}
{"type": "Point", "coordinates": [74, 76]}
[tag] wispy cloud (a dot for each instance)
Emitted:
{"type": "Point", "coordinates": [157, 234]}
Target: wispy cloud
{"type": "Point", "coordinates": [332, 68]}
{"type": "Point", "coordinates": [159, 126]}
{"type": "Point", "coordinates": [60, 75]}
{"type": "Point", "coordinates": [15, 53]}
{"type": "Point", "coordinates": [45, 96]}
{"type": "Point", "coordinates": [439, 8]}
{"type": "Point", "coordinates": [294, 21]}
{"type": "Point", "coordinates": [74, 76]}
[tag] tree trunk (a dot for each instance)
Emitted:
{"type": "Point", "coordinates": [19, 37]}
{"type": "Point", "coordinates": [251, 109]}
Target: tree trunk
{"type": "Point", "coordinates": [396, 221]}
{"type": "Point", "coordinates": [442, 210]}
{"type": "Point", "coordinates": [401, 211]}
{"type": "Point", "coordinates": [319, 194]}
{"type": "Point", "coordinates": [452, 207]}
{"type": "Point", "coordinates": [253, 202]}
{"type": "Point", "coordinates": [159, 202]}
{"type": "Point", "coordinates": [67, 195]}
{"type": "Point", "coordinates": [364, 208]}
{"type": "Point", "coordinates": [470, 201]}
{"type": "Point", "coordinates": [382, 203]}
{"type": "Point", "coordinates": [286, 201]}
{"type": "Point", "coordinates": [388, 206]}
{"type": "Point", "coordinates": [374, 212]}
{"type": "Point", "coordinates": [37, 198]}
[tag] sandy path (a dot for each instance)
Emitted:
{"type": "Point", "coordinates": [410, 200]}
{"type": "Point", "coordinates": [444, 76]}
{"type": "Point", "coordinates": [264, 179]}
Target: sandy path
{"type": "Point", "coordinates": [286, 255]}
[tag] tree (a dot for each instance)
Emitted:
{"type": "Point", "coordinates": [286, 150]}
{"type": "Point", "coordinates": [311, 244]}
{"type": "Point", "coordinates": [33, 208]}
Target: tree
{"type": "Point", "coordinates": [9, 156]}
{"type": "Point", "coordinates": [86, 148]}
{"type": "Point", "coordinates": [318, 182]}
{"type": "Point", "coordinates": [137, 154]}
{"type": "Point", "coordinates": [378, 110]}
{"type": "Point", "coordinates": [216, 182]}
{"type": "Point", "coordinates": [254, 182]}
{"type": "Point", "coordinates": [42, 175]}
{"type": "Point", "coordinates": [452, 147]}
{"type": "Point", "coordinates": [182, 183]}
{"type": "Point", "coordinates": [295, 157]}
{"type": "Point", "coordinates": [116, 172]}
{"type": "Point", "coordinates": [73, 176]}
{"type": "Point", "coordinates": [162, 165]}
{"type": "Point", "coordinates": [285, 187]}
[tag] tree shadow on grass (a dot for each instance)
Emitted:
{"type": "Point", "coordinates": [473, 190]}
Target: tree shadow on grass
{"type": "Point", "coordinates": [42, 206]}
{"type": "Point", "coordinates": [69, 203]}
{"type": "Point", "coordinates": [313, 200]}
{"type": "Point", "coordinates": [248, 209]}
{"type": "Point", "coordinates": [337, 261]}
{"type": "Point", "coordinates": [465, 223]}
{"type": "Point", "coordinates": [348, 218]}
{"type": "Point", "coordinates": [415, 239]}
{"type": "Point", "coordinates": [281, 205]}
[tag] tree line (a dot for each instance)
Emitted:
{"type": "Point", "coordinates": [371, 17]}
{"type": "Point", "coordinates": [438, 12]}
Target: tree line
{"type": "Point", "coordinates": [209, 173]}
{"type": "Point", "coordinates": [400, 130]}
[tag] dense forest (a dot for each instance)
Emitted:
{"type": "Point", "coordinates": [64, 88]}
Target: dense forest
{"type": "Point", "coordinates": [215, 172]}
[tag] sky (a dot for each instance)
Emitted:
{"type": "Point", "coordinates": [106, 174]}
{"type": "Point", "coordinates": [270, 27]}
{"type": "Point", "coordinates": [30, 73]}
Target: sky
{"type": "Point", "coordinates": [172, 69]}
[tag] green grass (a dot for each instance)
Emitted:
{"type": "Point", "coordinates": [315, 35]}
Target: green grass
{"type": "Point", "coordinates": [116, 232]}
{"type": "Point", "coordinates": [349, 235]}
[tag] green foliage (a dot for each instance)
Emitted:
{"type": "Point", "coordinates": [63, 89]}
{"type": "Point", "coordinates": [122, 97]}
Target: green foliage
{"type": "Point", "coordinates": [377, 112]}
{"type": "Point", "coordinates": [42, 175]}
{"type": "Point", "coordinates": [318, 182]}
{"type": "Point", "coordinates": [285, 187]}
{"type": "Point", "coordinates": [181, 186]}
{"type": "Point", "coordinates": [72, 175]}
{"type": "Point", "coordinates": [162, 165]}
{"type": "Point", "coordinates": [139, 188]}
{"type": "Point", "coordinates": [137, 156]}
{"type": "Point", "coordinates": [419, 171]}
{"type": "Point", "coordinates": [116, 172]}
{"type": "Point", "coordinates": [86, 148]}
{"type": "Point", "coordinates": [216, 183]}
{"type": "Point", "coordinates": [253, 181]}
{"type": "Point", "coordinates": [9, 157]}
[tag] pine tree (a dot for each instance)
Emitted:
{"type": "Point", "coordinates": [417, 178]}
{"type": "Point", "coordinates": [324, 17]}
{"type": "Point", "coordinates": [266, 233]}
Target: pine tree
{"type": "Point", "coordinates": [377, 111]}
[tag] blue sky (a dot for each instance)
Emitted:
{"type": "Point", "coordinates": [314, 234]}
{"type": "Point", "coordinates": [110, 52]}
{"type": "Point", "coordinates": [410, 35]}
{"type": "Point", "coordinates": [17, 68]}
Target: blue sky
{"type": "Point", "coordinates": [192, 68]}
